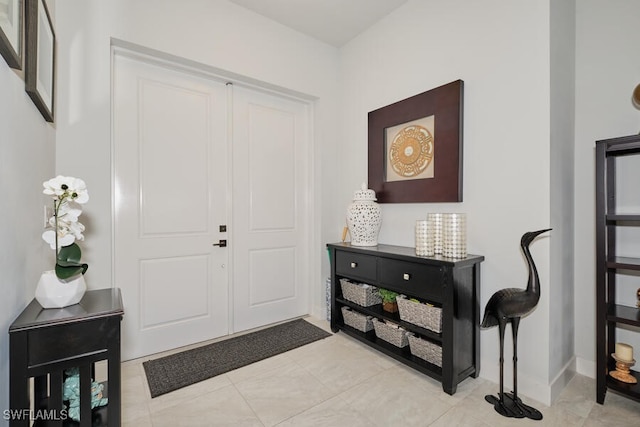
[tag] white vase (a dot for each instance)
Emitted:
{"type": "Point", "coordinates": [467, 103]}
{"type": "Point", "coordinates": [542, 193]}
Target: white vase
{"type": "Point", "coordinates": [424, 238]}
{"type": "Point", "coordinates": [51, 292]}
{"type": "Point", "coordinates": [454, 235]}
{"type": "Point", "coordinates": [436, 229]}
{"type": "Point", "coordinates": [364, 218]}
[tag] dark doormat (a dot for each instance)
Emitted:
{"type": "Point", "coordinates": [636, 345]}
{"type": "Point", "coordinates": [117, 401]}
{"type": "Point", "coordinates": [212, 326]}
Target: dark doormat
{"type": "Point", "coordinates": [179, 370]}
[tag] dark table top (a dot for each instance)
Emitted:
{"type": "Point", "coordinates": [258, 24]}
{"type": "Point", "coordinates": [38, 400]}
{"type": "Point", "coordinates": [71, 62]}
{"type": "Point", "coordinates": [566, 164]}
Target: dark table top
{"type": "Point", "coordinates": [409, 254]}
{"type": "Point", "coordinates": [93, 305]}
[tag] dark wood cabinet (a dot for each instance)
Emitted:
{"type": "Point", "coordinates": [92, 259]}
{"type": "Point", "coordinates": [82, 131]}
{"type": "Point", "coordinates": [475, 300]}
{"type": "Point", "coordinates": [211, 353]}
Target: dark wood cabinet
{"type": "Point", "coordinates": [610, 224]}
{"type": "Point", "coordinates": [43, 343]}
{"type": "Point", "coordinates": [450, 284]}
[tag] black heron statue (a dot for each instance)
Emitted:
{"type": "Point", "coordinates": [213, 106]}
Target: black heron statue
{"type": "Point", "coordinates": [508, 306]}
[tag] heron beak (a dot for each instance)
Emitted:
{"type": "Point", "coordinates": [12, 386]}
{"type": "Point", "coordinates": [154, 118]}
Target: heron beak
{"type": "Point", "coordinates": [537, 233]}
{"type": "Point", "coordinates": [530, 236]}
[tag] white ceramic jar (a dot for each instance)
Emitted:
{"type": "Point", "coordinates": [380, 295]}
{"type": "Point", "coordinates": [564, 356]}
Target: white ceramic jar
{"type": "Point", "coordinates": [364, 218]}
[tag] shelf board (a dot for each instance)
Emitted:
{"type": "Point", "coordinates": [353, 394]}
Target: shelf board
{"type": "Point", "coordinates": [624, 314]}
{"type": "Point", "coordinates": [377, 311]}
{"type": "Point", "coordinates": [624, 263]}
{"type": "Point", "coordinates": [613, 217]}
{"type": "Point", "coordinates": [630, 390]}
{"type": "Point", "coordinates": [401, 354]}
{"type": "Point", "coordinates": [622, 145]}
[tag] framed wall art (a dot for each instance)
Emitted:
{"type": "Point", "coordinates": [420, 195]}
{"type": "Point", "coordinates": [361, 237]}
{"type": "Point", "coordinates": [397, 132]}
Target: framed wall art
{"type": "Point", "coordinates": [40, 57]}
{"type": "Point", "coordinates": [415, 147]}
{"type": "Point", "coordinates": [11, 32]}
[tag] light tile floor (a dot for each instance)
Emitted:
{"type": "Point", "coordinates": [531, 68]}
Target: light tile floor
{"type": "Point", "coordinates": [339, 381]}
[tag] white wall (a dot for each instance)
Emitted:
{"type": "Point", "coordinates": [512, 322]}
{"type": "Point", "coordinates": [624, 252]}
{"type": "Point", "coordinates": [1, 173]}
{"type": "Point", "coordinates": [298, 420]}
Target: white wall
{"type": "Point", "coordinates": [212, 33]}
{"type": "Point", "coordinates": [561, 301]}
{"type": "Point", "coordinates": [500, 49]}
{"type": "Point", "coordinates": [607, 71]}
{"type": "Point", "coordinates": [27, 159]}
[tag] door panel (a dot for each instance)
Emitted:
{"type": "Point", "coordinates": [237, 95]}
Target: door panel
{"type": "Point", "coordinates": [270, 205]}
{"type": "Point", "coordinates": [170, 178]}
{"type": "Point", "coordinates": [267, 263]}
{"type": "Point", "coordinates": [175, 183]}
{"type": "Point", "coordinates": [162, 302]}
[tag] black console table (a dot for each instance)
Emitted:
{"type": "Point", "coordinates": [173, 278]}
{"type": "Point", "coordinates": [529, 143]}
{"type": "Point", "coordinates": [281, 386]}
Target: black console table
{"type": "Point", "coordinates": [452, 284]}
{"type": "Point", "coordinates": [43, 343]}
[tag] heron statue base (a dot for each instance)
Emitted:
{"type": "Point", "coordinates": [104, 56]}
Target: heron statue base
{"type": "Point", "coordinates": [513, 408]}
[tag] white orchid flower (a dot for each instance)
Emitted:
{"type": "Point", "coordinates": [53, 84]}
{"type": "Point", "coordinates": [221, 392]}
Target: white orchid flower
{"type": "Point", "coordinates": [78, 191]}
{"type": "Point", "coordinates": [68, 194]}
{"type": "Point", "coordinates": [63, 187]}
{"type": "Point", "coordinates": [66, 229]}
{"type": "Point", "coordinates": [69, 211]}
{"type": "Point", "coordinates": [76, 229]}
{"type": "Point", "coordinates": [53, 187]}
{"type": "Point", "coordinates": [49, 236]}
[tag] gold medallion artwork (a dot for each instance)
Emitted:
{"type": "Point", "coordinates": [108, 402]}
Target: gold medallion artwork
{"type": "Point", "coordinates": [411, 151]}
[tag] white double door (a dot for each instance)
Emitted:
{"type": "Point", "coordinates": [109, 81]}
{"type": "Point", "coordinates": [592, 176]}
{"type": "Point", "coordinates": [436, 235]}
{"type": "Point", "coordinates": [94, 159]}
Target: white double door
{"type": "Point", "coordinates": [191, 156]}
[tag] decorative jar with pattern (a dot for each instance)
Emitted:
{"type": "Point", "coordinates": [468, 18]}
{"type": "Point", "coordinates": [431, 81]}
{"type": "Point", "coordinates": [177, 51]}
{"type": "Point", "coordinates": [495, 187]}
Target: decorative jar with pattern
{"type": "Point", "coordinates": [364, 218]}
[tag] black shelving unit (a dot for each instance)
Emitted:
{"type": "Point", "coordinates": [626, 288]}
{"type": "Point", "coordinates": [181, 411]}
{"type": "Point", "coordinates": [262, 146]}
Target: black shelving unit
{"type": "Point", "coordinates": [608, 265]}
{"type": "Point", "coordinates": [452, 284]}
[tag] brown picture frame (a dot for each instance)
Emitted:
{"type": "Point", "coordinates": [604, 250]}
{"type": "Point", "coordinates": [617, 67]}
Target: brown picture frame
{"type": "Point", "coordinates": [445, 104]}
{"type": "Point", "coordinates": [40, 58]}
{"type": "Point", "coordinates": [11, 29]}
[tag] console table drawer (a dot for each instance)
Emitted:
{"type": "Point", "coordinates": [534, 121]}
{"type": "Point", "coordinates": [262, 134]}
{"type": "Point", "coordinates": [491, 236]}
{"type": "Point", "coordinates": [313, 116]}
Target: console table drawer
{"type": "Point", "coordinates": [71, 341]}
{"type": "Point", "coordinates": [422, 281]}
{"type": "Point", "coordinates": [354, 265]}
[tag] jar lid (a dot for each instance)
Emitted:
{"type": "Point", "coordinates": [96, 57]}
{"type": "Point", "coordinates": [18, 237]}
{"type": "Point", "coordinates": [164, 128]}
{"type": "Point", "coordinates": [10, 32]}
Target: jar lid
{"type": "Point", "coordinates": [364, 193]}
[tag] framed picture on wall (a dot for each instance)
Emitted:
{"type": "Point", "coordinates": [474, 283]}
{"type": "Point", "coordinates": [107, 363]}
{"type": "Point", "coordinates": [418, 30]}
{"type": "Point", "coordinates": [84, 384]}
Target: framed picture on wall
{"type": "Point", "coordinates": [11, 32]}
{"type": "Point", "coordinates": [40, 57]}
{"type": "Point", "coordinates": [415, 147]}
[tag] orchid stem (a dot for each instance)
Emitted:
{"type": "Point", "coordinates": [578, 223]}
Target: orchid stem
{"type": "Point", "coordinates": [56, 207]}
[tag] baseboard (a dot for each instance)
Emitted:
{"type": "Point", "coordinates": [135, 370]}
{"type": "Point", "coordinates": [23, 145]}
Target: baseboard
{"type": "Point", "coordinates": [531, 387]}
{"type": "Point", "coordinates": [528, 387]}
{"type": "Point", "coordinates": [586, 367]}
{"type": "Point", "coordinates": [561, 380]}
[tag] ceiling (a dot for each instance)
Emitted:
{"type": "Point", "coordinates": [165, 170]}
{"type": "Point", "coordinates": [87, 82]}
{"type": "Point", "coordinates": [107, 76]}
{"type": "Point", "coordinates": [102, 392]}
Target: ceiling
{"type": "Point", "coordinates": [332, 21]}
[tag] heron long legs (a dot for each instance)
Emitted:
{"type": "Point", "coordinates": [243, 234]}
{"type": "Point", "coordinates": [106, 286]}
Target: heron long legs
{"type": "Point", "coordinates": [509, 404]}
{"type": "Point", "coordinates": [515, 403]}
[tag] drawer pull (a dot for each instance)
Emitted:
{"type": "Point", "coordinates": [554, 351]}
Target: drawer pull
{"type": "Point", "coordinates": [354, 264]}
{"type": "Point", "coordinates": [406, 276]}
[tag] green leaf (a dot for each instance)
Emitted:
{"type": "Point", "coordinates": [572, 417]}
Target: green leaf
{"type": "Point", "coordinates": [68, 265]}
{"type": "Point", "coordinates": [68, 273]}
{"type": "Point", "coordinates": [387, 295]}
{"type": "Point", "coordinates": [71, 253]}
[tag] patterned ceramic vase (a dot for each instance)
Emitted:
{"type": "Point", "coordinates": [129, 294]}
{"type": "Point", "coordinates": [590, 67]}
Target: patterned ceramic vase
{"type": "Point", "coordinates": [364, 218]}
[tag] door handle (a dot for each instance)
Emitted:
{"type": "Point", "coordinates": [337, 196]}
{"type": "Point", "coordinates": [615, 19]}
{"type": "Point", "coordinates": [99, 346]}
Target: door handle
{"type": "Point", "coordinates": [221, 243]}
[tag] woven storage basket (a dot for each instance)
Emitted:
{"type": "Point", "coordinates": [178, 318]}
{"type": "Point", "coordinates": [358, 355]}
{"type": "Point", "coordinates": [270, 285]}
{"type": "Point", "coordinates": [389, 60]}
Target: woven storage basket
{"type": "Point", "coordinates": [391, 334]}
{"type": "Point", "coordinates": [425, 350]}
{"type": "Point", "coordinates": [364, 295]}
{"type": "Point", "coordinates": [356, 320]}
{"type": "Point", "coordinates": [426, 316]}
